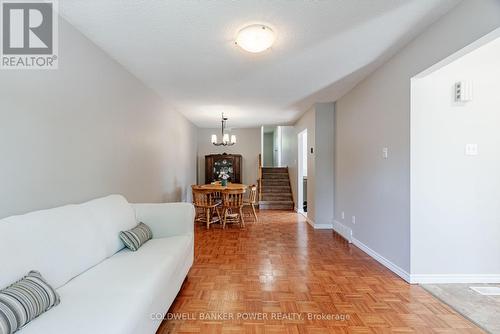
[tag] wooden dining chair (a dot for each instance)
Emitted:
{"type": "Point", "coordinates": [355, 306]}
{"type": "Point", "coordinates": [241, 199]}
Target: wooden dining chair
{"type": "Point", "coordinates": [232, 206]}
{"type": "Point", "coordinates": [251, 201]}
{"type": "Point", "coordinates": [206, 205]}
{"type": "Point", "coordinates": [217, 196]}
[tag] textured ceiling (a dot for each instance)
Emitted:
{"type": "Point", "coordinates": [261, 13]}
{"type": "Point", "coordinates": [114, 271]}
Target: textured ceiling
{"type": "Point", "coordinates": [184, 50]}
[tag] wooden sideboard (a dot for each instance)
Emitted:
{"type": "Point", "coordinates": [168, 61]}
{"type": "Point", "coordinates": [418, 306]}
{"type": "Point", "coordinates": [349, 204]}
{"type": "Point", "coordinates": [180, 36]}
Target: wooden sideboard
{"type": "Point", "coordinates": [229, 163]}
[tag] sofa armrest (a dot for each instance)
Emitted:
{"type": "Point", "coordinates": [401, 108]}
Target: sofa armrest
{"type": "Point", "coordinates": [166, 219]}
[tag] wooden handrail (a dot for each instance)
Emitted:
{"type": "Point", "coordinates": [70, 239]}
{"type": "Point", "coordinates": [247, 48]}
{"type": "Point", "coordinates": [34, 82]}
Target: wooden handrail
{"type": "Point", "coordinates": [259, 175]}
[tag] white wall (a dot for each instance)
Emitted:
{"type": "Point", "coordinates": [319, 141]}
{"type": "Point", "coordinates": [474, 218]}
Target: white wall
{"type": "Point", "coordinates": [324, 156]}
{"type": "Point", "coordinates": [376, 114]}
{"type": "Point", "coordinates": [455, 198]}
{"type": "Point", "coordinates": [268, 158]}
{"type": "Point", "coordinates": [289, 155]}
{"type": "Point", "coordinates": [248, 145]}
{"type": "Point", "coordinates": [88, 129]}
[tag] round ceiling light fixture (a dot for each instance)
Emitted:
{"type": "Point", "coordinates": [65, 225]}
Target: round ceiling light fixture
{"type": "Point", "coordinates": [255, 38]}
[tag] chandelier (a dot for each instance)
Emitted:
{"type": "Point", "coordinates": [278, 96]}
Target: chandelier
{"type": "Point", "coordinates": [225, 137]}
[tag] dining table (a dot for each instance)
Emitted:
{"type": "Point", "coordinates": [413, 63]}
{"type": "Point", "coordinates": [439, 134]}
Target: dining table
{"type": "Point", "coordinates": [217, 186]}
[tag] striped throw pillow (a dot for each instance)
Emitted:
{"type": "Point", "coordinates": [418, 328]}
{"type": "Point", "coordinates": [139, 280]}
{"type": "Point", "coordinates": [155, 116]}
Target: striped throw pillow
{"type": "Point", "coordinates": [25, 300]}
{"type": "Point", "coordinates": [136, 237]}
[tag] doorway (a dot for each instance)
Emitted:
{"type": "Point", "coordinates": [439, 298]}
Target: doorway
{"type": "Point", "coordinates": [271, 146]}
{"type": "Point", "coordinates": [302, 172]}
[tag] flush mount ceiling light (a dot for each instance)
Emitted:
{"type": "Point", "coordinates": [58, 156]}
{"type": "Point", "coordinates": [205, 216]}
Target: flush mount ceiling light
{"type": "Point", "coordinates": [255, 38]}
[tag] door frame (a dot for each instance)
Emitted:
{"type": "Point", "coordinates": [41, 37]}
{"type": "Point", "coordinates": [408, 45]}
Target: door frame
{"type": "Point", "coordinates": [300, 169]}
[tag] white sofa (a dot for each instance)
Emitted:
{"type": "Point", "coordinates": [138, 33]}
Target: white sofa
{"type": "Point", "coordinates": [104, 287]}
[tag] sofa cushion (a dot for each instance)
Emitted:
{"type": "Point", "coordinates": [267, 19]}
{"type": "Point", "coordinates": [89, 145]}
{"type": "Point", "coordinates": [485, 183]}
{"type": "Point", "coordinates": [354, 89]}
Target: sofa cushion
{"type": "Point", "coordinates": [54, 242]}
{"type": "Point", "coordinates": [111, 214]}
{"type": "Point", "coordinates": [118, 295]}
{"type": "Point", "coordinates": [25, 300]}
{"type": "Point", "coordinates": [63, 242]}
{"type": "Point", "coordinates": [136, 237]}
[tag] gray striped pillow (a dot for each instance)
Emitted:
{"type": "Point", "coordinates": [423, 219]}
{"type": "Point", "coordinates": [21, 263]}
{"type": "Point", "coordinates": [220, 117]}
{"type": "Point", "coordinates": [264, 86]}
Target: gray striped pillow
{"type": "Point", "coordinates": [136, 237]}
{"type": "Point", "coordinates": [25, 300]}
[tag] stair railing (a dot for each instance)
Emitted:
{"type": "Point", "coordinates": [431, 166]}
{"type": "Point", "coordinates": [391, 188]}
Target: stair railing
{"type": "Point", "coordinates": [259, 175]}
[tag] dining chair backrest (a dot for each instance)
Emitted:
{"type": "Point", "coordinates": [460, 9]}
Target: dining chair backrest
{"type": "Point", "coordinates": [232, 198]}
{"type": "Point", "coordinates": [203, 197]}
{"type": "Point", "coordinates": [217, 195]}
{"type": "Point", "coordinates": [252, 194]}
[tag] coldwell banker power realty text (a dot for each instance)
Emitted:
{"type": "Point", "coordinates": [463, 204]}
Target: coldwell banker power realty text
{"type": "Point", "coordinates": [29, 33]}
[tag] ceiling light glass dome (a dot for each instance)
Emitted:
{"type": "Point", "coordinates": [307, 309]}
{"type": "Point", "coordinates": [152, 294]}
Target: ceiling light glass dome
{"type": "Point", "coordinates": [255, 38]}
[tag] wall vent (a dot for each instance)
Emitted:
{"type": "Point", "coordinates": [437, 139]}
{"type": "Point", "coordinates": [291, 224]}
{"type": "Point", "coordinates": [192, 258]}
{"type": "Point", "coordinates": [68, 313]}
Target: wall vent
{"type": "Point", "coordinates": [463, 91]}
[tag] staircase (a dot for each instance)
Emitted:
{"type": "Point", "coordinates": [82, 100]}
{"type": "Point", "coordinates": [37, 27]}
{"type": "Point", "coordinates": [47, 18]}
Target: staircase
{"type": "Point", "coordinates": [276, 193]}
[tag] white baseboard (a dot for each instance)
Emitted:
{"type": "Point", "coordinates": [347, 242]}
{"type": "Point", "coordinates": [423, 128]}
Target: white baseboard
{"type": "Point", "coordinates": [382, 260]}
{"type": "Point", "coordinates": [343, 230]}
{"type": "Point", "coordinates": [453, 278]}
{"type": "Point", "coordinates": [313, 224]}
{"type": "Point", "coordinates": [323, 226]}
{"type": "Point", "coordinates": [308, 220]}
{"type": "Point", "coordinates": [346, 233]}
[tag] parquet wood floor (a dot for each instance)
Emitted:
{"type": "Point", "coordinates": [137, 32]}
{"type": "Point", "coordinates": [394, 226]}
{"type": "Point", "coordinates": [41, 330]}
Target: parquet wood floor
{"type": "Point", "coordinates": [281, 276]}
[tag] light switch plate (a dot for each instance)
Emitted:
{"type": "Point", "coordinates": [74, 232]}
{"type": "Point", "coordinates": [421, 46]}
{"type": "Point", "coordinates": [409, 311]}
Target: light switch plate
{"type": "Point", "coordinates": [385, 152]}
{"type": "Point", "coordinates": [471, 149]}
